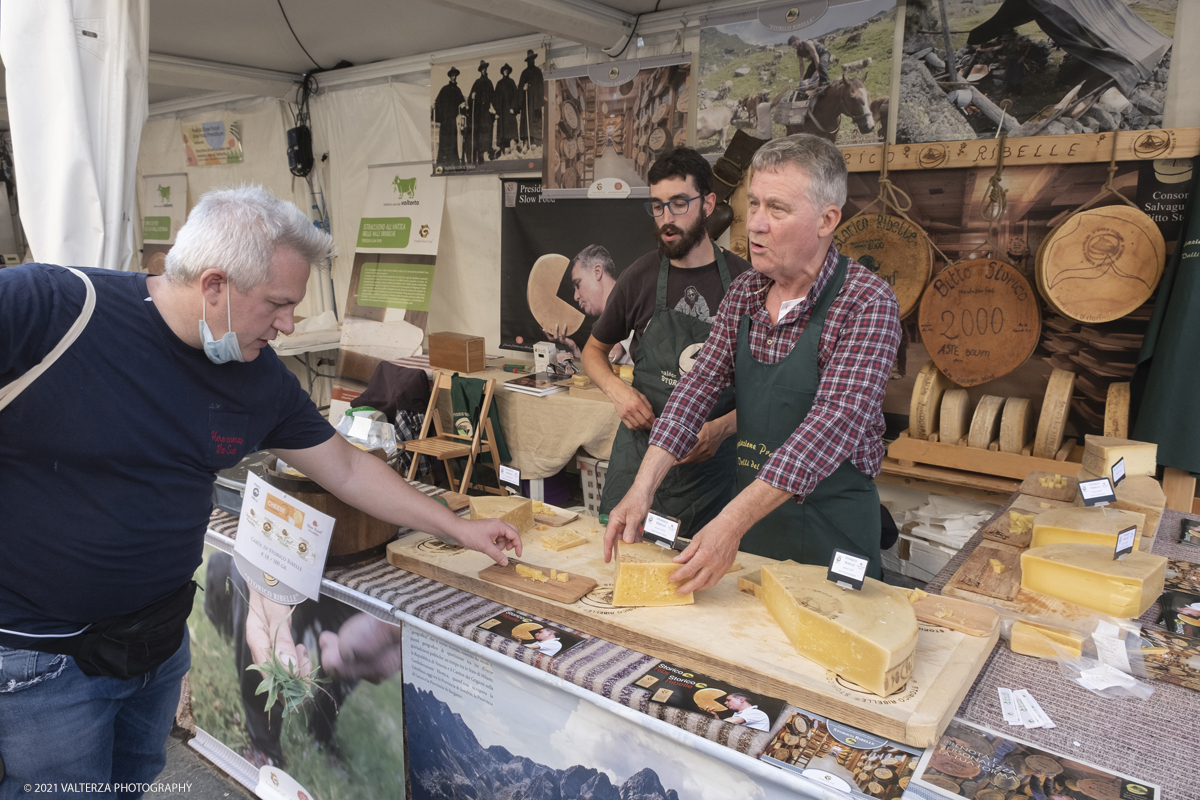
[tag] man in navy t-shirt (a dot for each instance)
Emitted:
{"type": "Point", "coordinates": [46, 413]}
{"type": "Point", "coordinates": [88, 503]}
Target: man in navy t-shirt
{"type": "Point", "coordinates": [107, 462]}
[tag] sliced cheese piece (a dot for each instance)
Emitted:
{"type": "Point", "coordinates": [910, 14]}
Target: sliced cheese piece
{"type": "Point", "coordinates": [868, 636]}
{"type": "Point", "coordinates": [642, 575]}
{"type": "Point", "coordinates": [1087, 575]}
{"type": "Point", "coordinates": [1016, 425]}
{"type": "Point", "coordinates": [1101, 452]}
{"type": "Point", "coordinates": [955, 416]}
{"type": "Point", "coordinates": [1035, 640]}
{"type": "Point", "coordinates": [1098, 526]}
{"type": "Point", "coordinates": [563, 577]}
{"type": "Point", "coordinates": [1053, 419]}
{"type": "Point", "coordinates": [985, 424]}
{"type": "Point", "coordinates": [1139, 493]}
{"type": "Point", "coordinates": [516, 511]}
{"type": "Point", "coordinates": [562, 539]}
{"type": "Point", "coordinates": [1116, 411]}
{"type": "Point", "coordinates": [926, 402]}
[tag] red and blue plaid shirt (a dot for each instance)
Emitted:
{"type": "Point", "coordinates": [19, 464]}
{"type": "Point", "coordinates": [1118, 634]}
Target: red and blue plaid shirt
{"type": "Point", "coordinates": [857, 347]}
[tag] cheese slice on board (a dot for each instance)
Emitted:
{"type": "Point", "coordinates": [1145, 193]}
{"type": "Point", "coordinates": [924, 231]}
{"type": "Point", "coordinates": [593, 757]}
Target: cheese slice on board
{"type": "Point", "coordinates": [641, 576]}
{"type": "Point", "coordinates": [1101, 452]}
{"type": "Point", "coordinates": [562, 539]}
{"type": "Point", "coordinates": [1087, 575]}
{"type": "Point", "coordinates": [1139, 493]}
{"type": "Point", "coordinates": [868, 636]}
{"type": "Point", "coordinates": [1029, 639]}
{"type": "Point", "coordinates": [1085, 526]}
{"type": "Point", "coordinates": [926, 402]}
{"type": "Point", "coordinates": [985, 424]}
{"type": "Point", "coordinates": [955, 416]}
{"type": "Point", "coordinates": [517, 511]}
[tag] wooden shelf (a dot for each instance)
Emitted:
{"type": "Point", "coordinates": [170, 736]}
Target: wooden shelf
{"type": "Point", "coordinates": [910, 451]}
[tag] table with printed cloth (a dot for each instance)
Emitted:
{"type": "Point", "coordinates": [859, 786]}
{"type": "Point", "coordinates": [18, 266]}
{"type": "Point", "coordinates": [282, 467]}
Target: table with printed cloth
{"type": "Point", "coordinates": [1146, 739]}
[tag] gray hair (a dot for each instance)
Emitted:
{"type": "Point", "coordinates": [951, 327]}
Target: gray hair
{"type": "Point", "coordinates": [238, 231]}
{"type": "Point", "coordinates": [595, 254]}
{"type": "Point", "coordinates": [817, 158]}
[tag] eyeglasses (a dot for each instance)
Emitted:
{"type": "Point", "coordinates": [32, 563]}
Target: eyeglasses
{"type": "Point", "coordinates": [678, 205]}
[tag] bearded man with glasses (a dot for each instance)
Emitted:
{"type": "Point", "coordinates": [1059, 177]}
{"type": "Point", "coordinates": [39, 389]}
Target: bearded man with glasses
{"type": "Point", "coordinates": [667, 299]}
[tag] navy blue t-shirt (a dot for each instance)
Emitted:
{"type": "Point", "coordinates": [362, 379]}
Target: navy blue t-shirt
{"type": "Point", "coordinates": [107, 460]}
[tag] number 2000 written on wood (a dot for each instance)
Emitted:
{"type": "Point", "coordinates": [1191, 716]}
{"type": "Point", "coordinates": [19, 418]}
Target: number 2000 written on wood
{"type": "Point", "coordinates": [979, 320]}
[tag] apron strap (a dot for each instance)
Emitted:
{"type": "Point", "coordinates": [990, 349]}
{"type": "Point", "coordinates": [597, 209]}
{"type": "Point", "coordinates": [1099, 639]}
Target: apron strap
{"type": "Point", "coordinates": [721, 268]}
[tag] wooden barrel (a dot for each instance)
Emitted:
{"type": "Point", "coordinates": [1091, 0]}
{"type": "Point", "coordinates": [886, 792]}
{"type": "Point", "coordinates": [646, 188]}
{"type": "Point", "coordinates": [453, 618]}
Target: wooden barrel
{"type": "Point", "coordinates": [660, 113]}
{"type": "Point", "coordinates": [570, 115]}
{"type": "Point", "coordinates": [682, 102]}
{"type": "Point", "coordinates": [894, 249]}
{"type": "Point", "coordinates": [680, 139]}
{"type": "Point", "coordinates": [569, 148]}
{"type": "Point", "coordinates": [356, 535]}
{"type": "Point", "coordinates": [570, 178]}
{"type": "Point", "coordinates": [979, 320]}
{"type": "Point", "coordinates": [658, 138]}
{"type": "Point", "coordinates": [1102, 263]}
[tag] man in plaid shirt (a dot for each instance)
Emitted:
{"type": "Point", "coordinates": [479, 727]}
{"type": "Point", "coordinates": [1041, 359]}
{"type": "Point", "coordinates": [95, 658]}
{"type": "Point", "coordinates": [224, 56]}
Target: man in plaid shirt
{"type": "Point", "coordinates": [808, 339]}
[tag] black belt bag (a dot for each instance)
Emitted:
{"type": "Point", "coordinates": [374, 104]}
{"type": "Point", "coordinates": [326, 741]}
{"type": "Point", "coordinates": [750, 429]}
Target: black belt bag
{"type": "Point", "coordinates": [130, 645]}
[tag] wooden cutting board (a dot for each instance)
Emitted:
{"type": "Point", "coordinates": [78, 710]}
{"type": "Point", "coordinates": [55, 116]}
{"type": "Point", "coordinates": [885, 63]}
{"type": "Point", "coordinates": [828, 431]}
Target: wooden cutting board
{"type": "Point", "coordinates": [1000, 529]}
{"type": "Point", "coordinates": [454, 500]}
{"type": "Point", "coordinates": [979, 320]}
{"type": "Point", "coordinates": [893, 248]}
{"type": "Point", "coordinates": [561, 516]}
{"type": "Point", "coordinates": [726, 633]}
{"type": "Point", "coordinates": [976, 573]}
{"type": "Point", "coordinates": [1066, 494]}
{"type": "Point", "coordinates": [575, 587]}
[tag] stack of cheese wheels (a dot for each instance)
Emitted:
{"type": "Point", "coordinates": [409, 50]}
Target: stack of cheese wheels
{"type": "Point", "coordinates": [1053, 420]}
{"type": "Point", "coordinates": [547, 307]}
{"type": "Point", "coordinates": [924, 410]}
{"type": "Point", "coordinates": [893, 248]}
{"type": "Point", "coordinates": [1101, 264]}
{"type": "Point", "coordinates": [979, 320]}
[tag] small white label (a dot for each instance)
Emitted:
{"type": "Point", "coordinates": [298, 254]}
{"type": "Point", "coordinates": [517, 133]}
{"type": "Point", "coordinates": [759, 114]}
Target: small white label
{"type": "Point", "coordinates": [1028, 719]}
{"type": "Point", "coordinates": [1096, 492]}
{"type": "Point", "coordinates": [661, 527]}
{"type": "Point", "coordinates": [360, 428]}
{"type": "Point", "coordinates": [1007, 707]}
{"type": "Point", "coordinates": [510, 475]}
{"type": "Point", "coordinates": [1118, 471]}
{"type": "Point", "coordinates": [1103, 676]}
{"type": "Point", "coordinates": [850, 566]}
{"type": "Point", "coordinates": [1110, 646]}
{"type": "Point", "coordinates": [1125, 541]}
{"type": "Point", "coordinates": [1042, 717]}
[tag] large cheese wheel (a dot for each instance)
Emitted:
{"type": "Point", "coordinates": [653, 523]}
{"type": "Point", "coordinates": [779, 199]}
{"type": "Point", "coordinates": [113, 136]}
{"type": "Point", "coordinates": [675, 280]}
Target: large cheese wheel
{"type": "Point", "coordinates": [1103, 263]}
{"type": "Point", "coordinates": [1016, 425]}
{"type": "Point", "coordinates": [985, 424]}
{"type": "Point", "coordinates": [1116, 411]}
{"type": "Point", "coordinates": [1053, 419]}
{"type": "Point", "coordinates": [894, 249]}
{"type": "Point", "coordinates": [979, 320]}
{"type": "Point", "coordinates": [926, 401]}
{"type": "Point", "coordinates": [706, 699]}
{"type": "Point", "coordinates": [955, 416]}
{"type": "Point", "coordinates": [542, 293]}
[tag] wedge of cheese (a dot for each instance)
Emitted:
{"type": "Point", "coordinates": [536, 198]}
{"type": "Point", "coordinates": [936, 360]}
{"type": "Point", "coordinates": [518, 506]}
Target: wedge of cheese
{"type": "Point", "coordinates": [1035, 640]}
{"type": "Point", "coordinates": [1085, 526]}
{"type": "Point", "coordinates": [1101, 452]}
{"type": "Point", "coordinates": [517, 511]}
{"type": "Point", "coordinates": [868, 636]}
{"type": "Point", "coordinates": [1139, 493]}
{"type": "Point", "coordinates": [641, 576]}
{"type": "Point", "coordinates": [1087, 575]}
{"type": "Point", "coordinates": [562, 539]}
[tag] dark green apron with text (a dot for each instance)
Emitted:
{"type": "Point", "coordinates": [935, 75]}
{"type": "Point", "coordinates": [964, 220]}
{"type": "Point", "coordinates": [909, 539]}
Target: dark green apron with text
{"type": "Point", "coordinates": [843, 510]}
{"type": "Point", "coordinates": [695, 493]}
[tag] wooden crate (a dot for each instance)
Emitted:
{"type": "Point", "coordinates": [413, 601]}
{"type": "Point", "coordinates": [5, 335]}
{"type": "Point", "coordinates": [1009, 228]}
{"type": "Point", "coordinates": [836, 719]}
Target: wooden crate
{"type": "Point", "coordinates": [456, 352]}
{"type": "Point", "coordinates": [908, 450]}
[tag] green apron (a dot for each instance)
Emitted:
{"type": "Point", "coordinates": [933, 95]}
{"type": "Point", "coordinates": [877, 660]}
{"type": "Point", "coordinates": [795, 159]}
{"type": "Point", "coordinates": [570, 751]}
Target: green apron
{"type": "Point", "coordinates": [695, 493]}
{"type": "Point", "coordinates": [843, 510]}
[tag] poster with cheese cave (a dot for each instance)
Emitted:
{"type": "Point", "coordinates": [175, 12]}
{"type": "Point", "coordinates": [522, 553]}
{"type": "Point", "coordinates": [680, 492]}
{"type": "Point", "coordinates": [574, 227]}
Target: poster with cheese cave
{"type": "Point", "coordinates": [478, 728]}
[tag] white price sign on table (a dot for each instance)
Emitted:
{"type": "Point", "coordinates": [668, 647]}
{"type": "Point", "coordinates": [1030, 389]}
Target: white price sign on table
{"type": "Point", "coordinates": [287, 539]}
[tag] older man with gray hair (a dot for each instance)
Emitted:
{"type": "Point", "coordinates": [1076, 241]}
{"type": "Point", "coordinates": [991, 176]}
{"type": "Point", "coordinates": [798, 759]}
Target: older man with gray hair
{"type": "Point", "coordinates": [808, 337]}
{"type": "Point", "coordinates": [107, 461]}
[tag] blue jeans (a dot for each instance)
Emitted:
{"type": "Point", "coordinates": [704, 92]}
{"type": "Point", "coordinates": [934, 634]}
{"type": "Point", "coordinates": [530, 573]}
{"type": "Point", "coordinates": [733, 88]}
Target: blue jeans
{"type": "Point", "coordinates": [59, 726]}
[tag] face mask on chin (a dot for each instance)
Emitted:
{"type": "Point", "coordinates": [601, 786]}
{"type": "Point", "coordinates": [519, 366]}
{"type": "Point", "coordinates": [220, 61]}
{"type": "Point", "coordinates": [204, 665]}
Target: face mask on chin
{"type": "Point", "coordinates": [227, 348]}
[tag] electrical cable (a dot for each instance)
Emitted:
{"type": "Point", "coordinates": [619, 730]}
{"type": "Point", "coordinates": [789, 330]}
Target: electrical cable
{"type": "Point", "coordinates": [633, 33]}
{"type": "Point", "coordinates": [297, 38]}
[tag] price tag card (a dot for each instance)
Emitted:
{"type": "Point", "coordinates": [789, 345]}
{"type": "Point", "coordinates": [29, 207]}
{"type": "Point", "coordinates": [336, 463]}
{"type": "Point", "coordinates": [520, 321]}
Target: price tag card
{"type": "Point", "coordinates": [1097, 493]}
{"type": "Point", "coordinates": [847, 569]}
{"type": "Point", "coordinates": [661, 529]}
{"type": "Point", "coordinates": [510, 476]}
{"type": "Point", "coordinates": [1125, 542]}
{"type": "Point", "coordinates": [1118, 471]}
{"type": "Point", "coordinates": [1189, 532]}
{"type": "Point", "coordinates": [285, 538]}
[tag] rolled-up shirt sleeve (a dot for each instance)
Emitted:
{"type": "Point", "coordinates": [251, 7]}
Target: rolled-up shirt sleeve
{"type": "Point", "coordinates": [846, 410]}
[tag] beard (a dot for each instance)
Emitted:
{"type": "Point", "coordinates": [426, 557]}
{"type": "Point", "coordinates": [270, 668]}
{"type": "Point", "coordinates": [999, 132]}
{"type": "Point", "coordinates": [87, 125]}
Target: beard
{"type": "Point", "coordinates": [687, 240]}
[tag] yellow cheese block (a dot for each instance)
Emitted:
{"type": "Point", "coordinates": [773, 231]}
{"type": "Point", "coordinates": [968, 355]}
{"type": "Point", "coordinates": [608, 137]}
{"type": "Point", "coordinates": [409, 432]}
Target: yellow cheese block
{"type": "Point", "coordinates": [562, 539]}
{"type": "Point", "coordinates": [1087, 575]}
{"type": "Point", "coordinates": [517, 511]}
{"type": "Point", "coordinates": [1101, 452]}
{"type": "Point", "coordinates": [1035, 640]}
{"type": "Point", "coordinates": [1139, 493]}
{"type": "Point", "coordinates": [642, 574]}
{"type": "Point", "coordinates": [1085, 526]}
{"type": "Point", "coordinates": [868, 636]}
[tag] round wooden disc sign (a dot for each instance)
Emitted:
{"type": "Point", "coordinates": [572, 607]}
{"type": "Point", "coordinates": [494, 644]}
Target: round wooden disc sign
{"type": "Point", "coordinates": [894, 249]}
{"type": "Point", "coordinates": [979, 320]}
